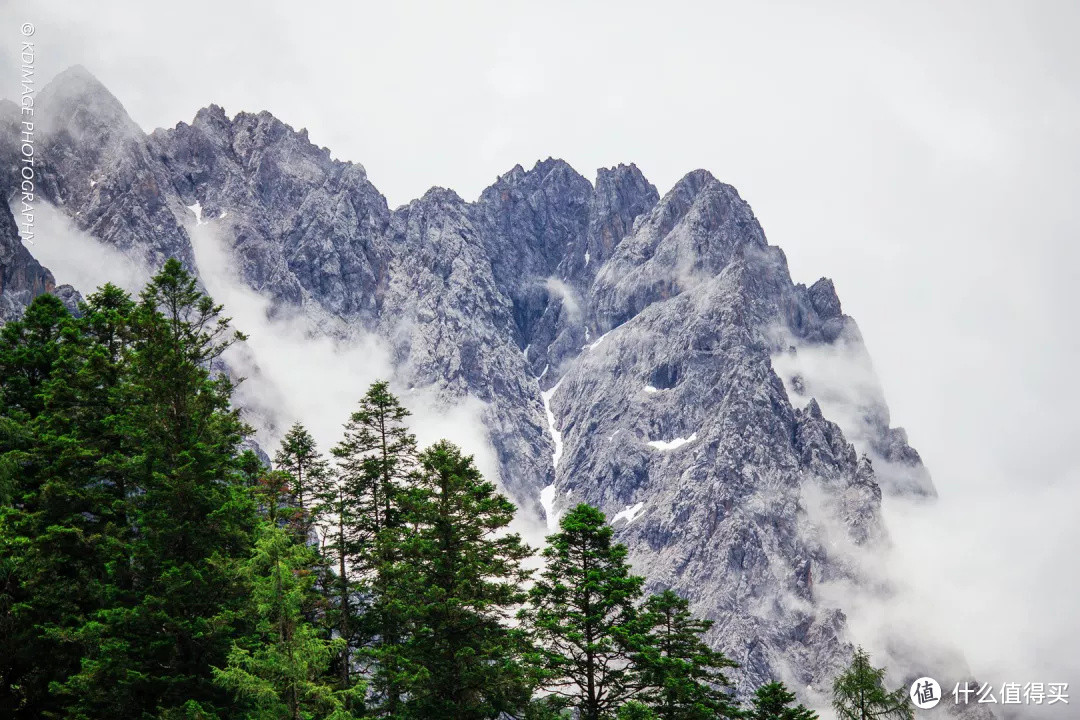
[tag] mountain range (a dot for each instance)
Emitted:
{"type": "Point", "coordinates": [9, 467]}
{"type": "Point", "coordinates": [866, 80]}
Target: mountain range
{"type": "Point", "coordinates": [648, 354]}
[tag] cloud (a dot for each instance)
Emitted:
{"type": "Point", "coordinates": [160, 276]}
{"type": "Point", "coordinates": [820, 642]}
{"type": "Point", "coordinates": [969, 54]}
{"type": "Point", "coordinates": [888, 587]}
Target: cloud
{"type": "Point", "coordinates": [297, 371]}
{"type": "Point", "coordinates": [293, 369]}
{"type": "Point", "coordinates": [77, 258]}
{"type": "Point", "coordinates": [564, 292]}
{"type": "Point", "coordinates": [975, 574]}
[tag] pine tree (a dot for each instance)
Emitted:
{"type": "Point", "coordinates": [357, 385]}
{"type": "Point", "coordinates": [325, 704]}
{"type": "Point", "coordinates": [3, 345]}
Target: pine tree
{"type": "Point", "coordinates": [300, 458]}
{"type": "Point", "coordinates": [774, 701]}
{"type": "Point", "coordinates": [61, 533]}
{"type": "Point", "coordinates": [376, 459]}
{"type": "Point", "coordinates": [29, 349]}
{"type": "Point", "coordinates": [583, 615]}
{"type": "Point", "coordinates": [282, 670]}
{"type": "Point", "coordinates": [338, 547]}
{"type": "Point", "coordinates": [460, 579]}
{"type": "Point", "coordinates": [172, 607]}
{"type": "Point", "coordinates": [681, 677]}
{"type": "Point", "coordinates": [39, 587]}
{"type": "Point", "coordinates": [859, 693]}
{"type": "Point", "coordinates": [273, 489]}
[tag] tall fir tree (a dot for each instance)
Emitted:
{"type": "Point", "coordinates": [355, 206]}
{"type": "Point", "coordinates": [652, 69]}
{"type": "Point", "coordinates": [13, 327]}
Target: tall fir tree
{"type": "Point", "coordinates": [33, 595]}
{"type": "Point", "coordinates": [300, 458]}
{"type": "Point", "coordinates": [461, 579]}
{"type": "Point", "coordinates": [376, 460]}
{"type": "Point", "coordinates": [339, 546]}
{"type": "Point", "coordinates": [859, 693]}
{"type": "Point", "coordinates": [682, 678]}
{"type": "Point", "coordinates": [173, 610]}
{"type": "Point", "coordinates": [273, 491]}
{"type": "Point", "coordinates": [376, 457]}
{"type": "Point", "coordinates": [773, 701]}
{"type": "Point", "coordinates": [61, 533]}
{"type": "Point", "coordinates": [582, 611]}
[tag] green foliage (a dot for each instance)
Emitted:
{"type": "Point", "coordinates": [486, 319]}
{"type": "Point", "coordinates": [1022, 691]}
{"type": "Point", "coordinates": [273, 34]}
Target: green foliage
{"type": "Point", "coordinates": [459, 580]}
{"type": "Point", "coordinates": [125, 520]}
{"type": "Point", "coordinates": [273, 492]}
{"type": "Point", "coordinates": [281, 670]}
{"type": "Point", "coordinates": [48, 578]}
{"type": "Point", "coordinates": [299, 457]}
{"type": "Point", "coordinates": [635, 710]}
{"type": "Point", "coordinates": [774, 701]}
{"type": "Point", "coordinates": [376, 460]}
{"type": "Point", "coordinates": [681, 677]}
{"type": "Point", "coordinates": [584, 617]}
{"type": "Point", "coordinates": [548, 707]}
{"type": "Point", "coordinates": [859, 693]}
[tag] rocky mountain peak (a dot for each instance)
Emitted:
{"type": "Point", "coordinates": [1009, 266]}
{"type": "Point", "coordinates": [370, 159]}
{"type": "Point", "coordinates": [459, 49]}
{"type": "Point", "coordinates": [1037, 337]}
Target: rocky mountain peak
{"type": "Point", "coordinates": [75, 101]}
{"type": "Point", "coordinates": [649, 355]}
{"type": "Point", "coordinates": [824, 300]}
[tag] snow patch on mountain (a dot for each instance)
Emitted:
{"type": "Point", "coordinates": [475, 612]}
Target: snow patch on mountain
{"type": "Point", "coordinates": [628, 514]}
{"type": "Point", "coordinates": [556, 436]}
{"type": "Point", "coordinates": [675, 444]}
{"type": "Point", "coordinates": [547, 501]}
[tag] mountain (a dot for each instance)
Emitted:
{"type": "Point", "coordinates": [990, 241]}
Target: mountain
{"type": "Point", "coordinates": [648, 355]}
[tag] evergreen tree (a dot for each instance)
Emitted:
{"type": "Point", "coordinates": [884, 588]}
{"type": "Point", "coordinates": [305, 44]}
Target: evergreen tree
{"type": "Point", "coordinates": [681, 677]}
{"type": "Point", "coordinates": [774, 701]}
{"type": "Point", "coordinates": [173, 601]}
{"type": "Point", "coordinates": [376, 460]}
{"type": "Point", "coordinates": [29, 349]}
{"type": "Point", "coordinates": [281, 671]}
{"type": "Point", "coordinates": [461, 578]}
{"type": "Point", "coordinates": [583, 615]}
{"type": "Point", "coordinates": [33, 505]}
{"type": "Point", "coordinates": [61, 380]}
{"type": "Point", "coordinates": [338, 548]}
{"type": "Point", "coordinates": [859, 693]}
{"type": "Point", "coordinates": [273, 490]}
{"type": "Point", "coordinates": [299, 457]}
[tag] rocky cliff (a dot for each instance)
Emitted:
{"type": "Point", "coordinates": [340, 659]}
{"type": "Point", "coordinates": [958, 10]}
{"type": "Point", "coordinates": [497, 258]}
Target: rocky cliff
{"type": "Point", "coordinates": [649, 355]}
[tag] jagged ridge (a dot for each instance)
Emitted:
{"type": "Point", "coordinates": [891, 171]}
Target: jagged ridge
{"type": "Point", "coordinates": [666, 331]}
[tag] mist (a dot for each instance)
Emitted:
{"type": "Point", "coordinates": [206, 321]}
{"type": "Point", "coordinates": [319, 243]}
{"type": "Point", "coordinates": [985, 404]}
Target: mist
{"type": "Point", "coordinates": [923, 155]}
{"type": "Point", "coordinates": [292, 370]}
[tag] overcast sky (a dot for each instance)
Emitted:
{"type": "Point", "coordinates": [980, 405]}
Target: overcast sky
{"type": "Point", "coordinates": [926, 156]}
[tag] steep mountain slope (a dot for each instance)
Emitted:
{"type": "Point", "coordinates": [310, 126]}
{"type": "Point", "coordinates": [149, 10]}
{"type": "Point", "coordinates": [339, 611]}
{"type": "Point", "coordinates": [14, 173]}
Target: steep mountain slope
{"type": "Point", "coordinates": [22, 278]}
{"type": "Point", "coordinates": [649, 355]}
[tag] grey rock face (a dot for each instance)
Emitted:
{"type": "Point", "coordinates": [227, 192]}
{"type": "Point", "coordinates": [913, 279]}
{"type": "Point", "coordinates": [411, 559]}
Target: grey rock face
{"type": "Point", "coordinates": [95, 164]}
{"type": "Point", "coordinates": [677, 425]}
{"type": "Point", "coordinates": [449, 324]}
{"type": "Point", "coordinates": [22, 278]}
{"type": "Point", "coordinates": [307, 228]}
{"type": "Point", "coordinates": [547, 232]}
{"type": "Point", "coordinates": [656, 347]}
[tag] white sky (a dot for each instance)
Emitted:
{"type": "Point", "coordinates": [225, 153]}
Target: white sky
{"type": "Point", "coordinates": [925, 155]}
